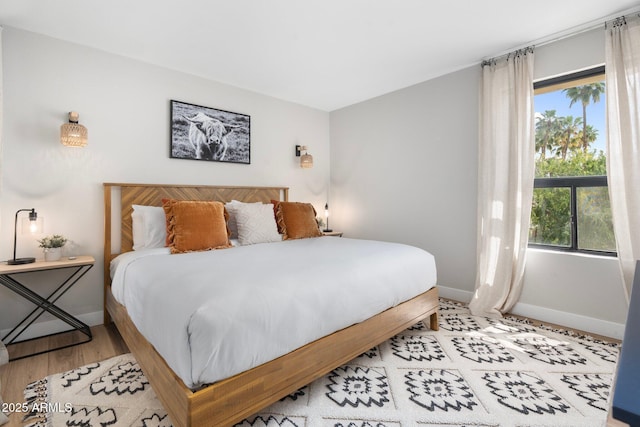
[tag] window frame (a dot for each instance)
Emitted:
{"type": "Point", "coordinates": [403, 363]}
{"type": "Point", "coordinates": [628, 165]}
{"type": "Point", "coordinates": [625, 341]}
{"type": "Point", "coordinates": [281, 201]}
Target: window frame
{"type": "Point", "coordinates": [571, 182]}
{"type": "Point", "coordinates": [579, 78]}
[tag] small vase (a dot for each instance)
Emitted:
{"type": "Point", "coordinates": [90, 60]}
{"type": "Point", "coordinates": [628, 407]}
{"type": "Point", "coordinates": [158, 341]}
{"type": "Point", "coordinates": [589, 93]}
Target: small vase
{"type": "Point", "coordinates": [52, 254]}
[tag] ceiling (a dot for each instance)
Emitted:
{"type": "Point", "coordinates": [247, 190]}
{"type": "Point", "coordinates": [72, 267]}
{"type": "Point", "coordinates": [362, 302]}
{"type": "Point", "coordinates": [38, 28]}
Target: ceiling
{"type": "Point", "coordinates": [325, 54]}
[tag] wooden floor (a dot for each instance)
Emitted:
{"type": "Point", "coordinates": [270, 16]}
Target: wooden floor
{"type": "Point", "coordinates": [15, 375]}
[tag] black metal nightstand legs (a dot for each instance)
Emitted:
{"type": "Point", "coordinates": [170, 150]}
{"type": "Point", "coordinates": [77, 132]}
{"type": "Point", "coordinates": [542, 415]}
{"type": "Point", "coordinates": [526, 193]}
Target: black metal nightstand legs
{"type": "Point", "coordinates": [46, 305]}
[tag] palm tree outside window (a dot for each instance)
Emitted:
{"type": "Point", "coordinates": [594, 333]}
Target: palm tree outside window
{"type": "Point", "coordinates": [585, 94]}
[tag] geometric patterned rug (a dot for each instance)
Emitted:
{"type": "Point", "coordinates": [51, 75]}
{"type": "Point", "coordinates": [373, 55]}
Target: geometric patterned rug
{"type": "Point", "coordinates": [475, 371]}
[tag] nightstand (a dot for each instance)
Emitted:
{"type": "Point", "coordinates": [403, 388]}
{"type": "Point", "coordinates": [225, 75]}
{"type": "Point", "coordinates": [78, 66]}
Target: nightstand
{"type": "Point", "coordinates": [332, 233]}
{"type": "Point", "coordinates": [75, 269]}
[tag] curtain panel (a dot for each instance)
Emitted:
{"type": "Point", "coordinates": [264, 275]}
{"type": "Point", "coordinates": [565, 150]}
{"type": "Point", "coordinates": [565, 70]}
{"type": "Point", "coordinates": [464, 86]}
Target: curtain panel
{"type": "Point", "coordinates": [622, 56]}
{"type": "Point", "coordinates": [505, 181]}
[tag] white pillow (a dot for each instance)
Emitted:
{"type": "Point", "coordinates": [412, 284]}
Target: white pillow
{"type": "Point", "coordinates": [149, 227]}
{"type": "Point", "coordinates": [232, 207]}
{"type": "Point", "coordinates": [137, 225]}
{"type": "Point", "coordinates": [256, 224]}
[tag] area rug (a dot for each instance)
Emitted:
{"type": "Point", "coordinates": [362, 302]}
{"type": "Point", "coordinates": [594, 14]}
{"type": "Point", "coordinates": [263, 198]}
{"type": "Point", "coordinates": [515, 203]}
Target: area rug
{"type": "Point", "coordinates": [475, 371]}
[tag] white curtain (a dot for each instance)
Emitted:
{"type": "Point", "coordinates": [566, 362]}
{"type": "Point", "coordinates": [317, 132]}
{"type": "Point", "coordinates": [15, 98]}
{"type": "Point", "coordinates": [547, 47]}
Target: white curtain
{"type": "Point", "coordinates": [623, 138]}
{"type": "Point", "coordinates": [505, 181]}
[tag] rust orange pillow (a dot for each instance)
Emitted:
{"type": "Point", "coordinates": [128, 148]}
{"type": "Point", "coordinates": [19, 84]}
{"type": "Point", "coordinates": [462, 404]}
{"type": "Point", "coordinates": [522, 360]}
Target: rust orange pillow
{"type": "Point", "coordinates": [195, 225]}
{"type": "Point", "coordinates": [297, 220]}
{"type": "Point", "coordinates": [275, 204]}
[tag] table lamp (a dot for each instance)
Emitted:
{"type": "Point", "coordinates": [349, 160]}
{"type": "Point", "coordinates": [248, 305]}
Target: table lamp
{"type": "Point", "coordinates": [326, 216]}
{"type": "Point", "coordinates": [33, 227]}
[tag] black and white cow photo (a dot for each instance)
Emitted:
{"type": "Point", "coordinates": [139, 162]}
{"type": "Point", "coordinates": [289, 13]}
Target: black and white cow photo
{"type": "Point", "coordinates": [203, 133]}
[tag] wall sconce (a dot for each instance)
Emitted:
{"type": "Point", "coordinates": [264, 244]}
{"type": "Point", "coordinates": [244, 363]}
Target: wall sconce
{"type": "Point", "coordinates": [306, 159]}
{"type": "Point", "coordinates": [35, 226]}
{"type": "Point", "coordinates": [73, 134]}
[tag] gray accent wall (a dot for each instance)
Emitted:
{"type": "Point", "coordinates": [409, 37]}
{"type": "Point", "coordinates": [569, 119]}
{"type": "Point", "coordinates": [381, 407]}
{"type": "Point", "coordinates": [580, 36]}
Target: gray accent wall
{"type": "Point", "coordinates": [404, 169]}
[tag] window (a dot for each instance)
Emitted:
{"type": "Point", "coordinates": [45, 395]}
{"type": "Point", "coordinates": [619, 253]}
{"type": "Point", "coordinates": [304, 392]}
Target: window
{"type": "Point", "coordinates": [571, 210]}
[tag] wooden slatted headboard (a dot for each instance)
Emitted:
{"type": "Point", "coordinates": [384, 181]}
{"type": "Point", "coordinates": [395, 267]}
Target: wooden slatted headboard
{"type": "Point", "coordinates": [152, 195]}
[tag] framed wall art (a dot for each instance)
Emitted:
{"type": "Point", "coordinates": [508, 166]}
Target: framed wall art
{"type": "Point", "coordinates": [205, 133]}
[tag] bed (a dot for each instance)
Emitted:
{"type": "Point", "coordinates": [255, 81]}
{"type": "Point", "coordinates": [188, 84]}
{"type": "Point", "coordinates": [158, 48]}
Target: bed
{"type": "Point", "coordinates": [222, 399]}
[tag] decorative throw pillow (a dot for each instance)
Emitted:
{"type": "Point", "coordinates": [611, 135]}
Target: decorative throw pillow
{"type": "Point", "coordinates": [256, 224]}
{"type": "Point", "coordinates": [232, 208]}
{"type": "Point", "coordinates": [275, 204]}
{"type": "Point", "coordinates": [297, 220]}
{"type": "Point", "coordinates": [195, 225]}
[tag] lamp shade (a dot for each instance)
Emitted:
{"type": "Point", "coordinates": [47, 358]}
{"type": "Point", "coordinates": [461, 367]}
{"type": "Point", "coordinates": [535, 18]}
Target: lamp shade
{"type": "Point", "coordinates": [326, 216]}
{"type": "Point", "coordinates": [306, 161]}
{"type": "Point", "coordinates": [73, 134]}
{"type": "Point", "coordinates": [31, 226]}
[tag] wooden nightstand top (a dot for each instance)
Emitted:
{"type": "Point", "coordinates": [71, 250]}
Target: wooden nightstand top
{"type": "Point", "coordinates": [46, 265]}
{"type": "Point", "coordinates": [332, 233]}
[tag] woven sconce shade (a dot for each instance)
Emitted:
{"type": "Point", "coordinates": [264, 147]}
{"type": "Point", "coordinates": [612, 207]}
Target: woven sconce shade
{"type": "Point", "coordinates": [73, 134]}
{"type": "Point", "coordinates": [306, 161]}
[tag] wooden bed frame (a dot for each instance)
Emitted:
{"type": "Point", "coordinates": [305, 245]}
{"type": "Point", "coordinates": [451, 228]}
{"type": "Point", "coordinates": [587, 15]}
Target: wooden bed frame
{"type": "Point", "coordinates": [229, 401]}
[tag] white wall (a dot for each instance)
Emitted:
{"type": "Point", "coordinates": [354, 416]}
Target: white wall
{"type": "Point", "coordinates": [404, 166]}
{"type": "Point", "coordinates": [125, 106]}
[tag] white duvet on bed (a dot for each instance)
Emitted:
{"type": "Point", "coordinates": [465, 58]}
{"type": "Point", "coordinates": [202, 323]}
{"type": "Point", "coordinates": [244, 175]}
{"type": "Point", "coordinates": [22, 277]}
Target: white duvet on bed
{"type": "Point", "coordinates": [214, 314]}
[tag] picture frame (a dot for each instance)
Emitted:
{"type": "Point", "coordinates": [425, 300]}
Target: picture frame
{"type": "Point", "coordinates": [209, 134]}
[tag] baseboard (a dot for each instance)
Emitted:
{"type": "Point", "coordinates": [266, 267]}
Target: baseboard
{"type": "Point", "coordinates": [455, 294]}
{"type": "Point", "coordinates": [53, 326]}
{"type": "Point", "coordinates": [569, 320]}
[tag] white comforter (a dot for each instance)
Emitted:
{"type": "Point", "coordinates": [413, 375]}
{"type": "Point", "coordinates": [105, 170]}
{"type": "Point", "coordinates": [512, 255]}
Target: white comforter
{"type": "Point", "coordinates": [217, 313]}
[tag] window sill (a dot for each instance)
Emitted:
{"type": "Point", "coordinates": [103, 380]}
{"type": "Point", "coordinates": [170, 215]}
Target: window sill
{"type": "Point", "coordinates": [571, 253]}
